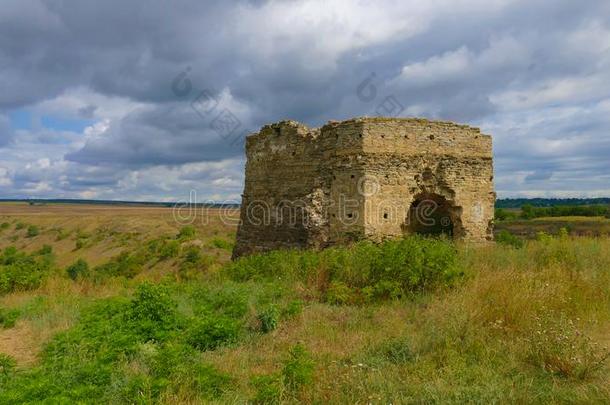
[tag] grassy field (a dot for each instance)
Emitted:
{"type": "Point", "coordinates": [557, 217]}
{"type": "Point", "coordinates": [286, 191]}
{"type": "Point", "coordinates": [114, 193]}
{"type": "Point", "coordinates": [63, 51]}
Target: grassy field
{"type": "Point", "coordinates": [155, 312]}
{"type": "Point", "coordinates": [577, 226]}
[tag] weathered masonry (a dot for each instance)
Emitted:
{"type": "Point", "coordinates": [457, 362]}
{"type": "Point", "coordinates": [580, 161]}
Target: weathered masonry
{"type": "Point", "coordinates": [364, 178]}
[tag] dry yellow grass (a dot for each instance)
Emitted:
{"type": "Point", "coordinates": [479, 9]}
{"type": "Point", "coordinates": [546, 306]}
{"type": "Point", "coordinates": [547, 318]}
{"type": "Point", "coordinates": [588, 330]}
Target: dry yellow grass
{"type": "Point", "coordinates": [110, 229]}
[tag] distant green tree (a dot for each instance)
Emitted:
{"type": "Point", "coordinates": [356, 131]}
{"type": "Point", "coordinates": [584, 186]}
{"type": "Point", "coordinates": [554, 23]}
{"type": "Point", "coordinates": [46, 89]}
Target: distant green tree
{"type": "Point", "coordinates": [527, 211]}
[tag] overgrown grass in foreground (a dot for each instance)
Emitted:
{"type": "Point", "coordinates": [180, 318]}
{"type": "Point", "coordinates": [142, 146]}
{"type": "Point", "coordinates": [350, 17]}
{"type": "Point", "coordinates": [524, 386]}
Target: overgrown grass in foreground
{"type": "Point", "coordinates": [415, 320]}
{"type": "Point", "coordinates": [363, 272]}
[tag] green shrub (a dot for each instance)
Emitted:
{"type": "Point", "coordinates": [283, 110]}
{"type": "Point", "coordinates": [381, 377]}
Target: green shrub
{"type": "Point", "coordinates": [527, 211]}
{"type": "Point", "coordinates": [7, 367]}
{"type": "Point", "coordinates": [293, 309]}
{"type": "Point", "coordinates": [20, 271]}
{"type": "Point", "coordinates": [544, 237]}
{"type": "Point", "coordinates": [228, 300]}
{"type": "Point", "coordinates": [169, 249]}
{"type": "Point", "coordinates": [153, 311]}
{"type": "Point", "coordinates": [4, 225]}
{"type": "Point", "coordinates": [503, 215]}
{"type": "Point", "coordinates": [220, 243]}
{"type": "Point", "coordinates": [363, 271]}
{"type": "Point", "coordinates": [506, 238]}
{"type": "Point", "coordinates": [212, 332]}
{"type": "Point", "coordinates": [61, 234]}
{"type": "Point", "coordinates": [298, 368]}
{"type": "Point", "coordinates": [339, 293]}
{"type": "Point", "coordinates": [32, 231]}
{"type": "Point", "coordinates": [187, 232]}
{"type": "Point", "coordinates": [19, 225]}
{"type": "Point", "coordinates": [192, 255]}
{"type": "Point", "coordinates": [94, 360]}
{"type": "Point", "coordinates": [123, 265]}
{"type": "Point", "coordinates": [176, 367]}
{"type": "Point", "coordinates": [78, 269]}
{"type": "Point", "coordinates": [269, 319]}
{"type": "Point", "coordinates": [80, 243]}
{"type": "Point", "coordinates": [204, 379]}
{"type": "Point", "coordinates": [194, 263]}
{"type": "Point", "coordinates": [45, 250]}
{"type": "Point", "coordinates": [269, 389]}
{"type": "Point", "coordinates": [297, 372]}
{"type": "Point", "coordinates": [8, 318]}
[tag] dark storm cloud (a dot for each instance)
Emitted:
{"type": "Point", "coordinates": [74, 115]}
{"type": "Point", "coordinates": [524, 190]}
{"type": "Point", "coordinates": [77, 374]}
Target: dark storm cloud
{"type": "Point", "coordinates": [161, 134]}
{"type": "Point", "coordinates": [533, 73]}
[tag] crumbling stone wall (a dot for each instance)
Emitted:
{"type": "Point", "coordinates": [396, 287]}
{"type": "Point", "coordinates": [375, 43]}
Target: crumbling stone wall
{"type": "Point", "coordinates": [369, 178]}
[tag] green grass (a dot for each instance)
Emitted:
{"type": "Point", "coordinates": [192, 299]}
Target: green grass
{"type": "Point", "coordinates": [407, 321]}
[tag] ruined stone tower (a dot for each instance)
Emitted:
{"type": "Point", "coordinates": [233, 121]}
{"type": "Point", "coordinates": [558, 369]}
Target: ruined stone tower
{"type": "Point", "coordinates": [372, 178]}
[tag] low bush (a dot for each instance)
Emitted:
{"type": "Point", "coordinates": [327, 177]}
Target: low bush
{"type": "Point", "coordinates": [194, 263]}
{"type": "Point", "coordinates": [169, 249]}
{"type": "Point", "coordinates": [220, 243]}
{"type": "Point", "coordinates": [187, 232]}
{"type": "Point", "coordinates": [61, 234]}
{"type": "Point", "coordinates": [298, 368]}
{"type": "Point", "coordinates": [269, 319]}
{"type": "Point", "coordinates": [542, 236]}
{"type": "Point", "coordinates": [297, 373]}
{"type": "Point", "coordinates": [153, 311]}
{"type": "Point", "coordinates": [228, 299]}
{"type": "Point", "coordinates": [7, 367]}
{"type": "Point", "coordinates": [506, 238]}
{"type": "Point", "coordinates": [293, 309]}
{"type": "Point", "coordinates": [80, 243]}
{"type": "Point", "coordinates": [19, 226]}
{"type": "Point", "coordinates": [32, 231]}
{"type": "Point", "coordinates": [78, 269]}
{"type": "Point", "coordinates": [4, 225]}
{"type": "Point", "coordinates": [45, 250]}
{"type": "Point", "coordinates": [123, 265]}
{"type": "Point", "coordinates": [8, 317]}
{"type": "Point", "coordinates": [192, 255]}
{"type": "Point", "coordinates": [120, 350]}
{"type": "Point", "coordinates": [503, 215]}
{"type": "Point", "coordinates": [212, 332]}
{"type": "Point", "coordinates": [362, 272]}
{"type": "Point", "coordinates": [20, 271]}
{"type": "Point", "coordinates": [339, 293]}
{"type": "Point", "coordinates": [269, 389]}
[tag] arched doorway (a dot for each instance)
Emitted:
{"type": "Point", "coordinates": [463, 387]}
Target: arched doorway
{"type": "Point", "coordinates": [432, 214]}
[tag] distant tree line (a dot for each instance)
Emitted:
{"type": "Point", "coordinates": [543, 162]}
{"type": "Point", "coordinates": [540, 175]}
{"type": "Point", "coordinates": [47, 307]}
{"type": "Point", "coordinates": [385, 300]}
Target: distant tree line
{"type": "Point", "coordinates": [116, 202]}
{"type": "Point", "coordinates": [549, 202]}
{"type": "Point", "coordinates": [529, 211]}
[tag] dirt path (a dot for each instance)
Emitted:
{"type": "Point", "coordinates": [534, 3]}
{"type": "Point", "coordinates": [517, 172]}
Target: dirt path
{"type": "Point", "coordinates": [20, 343]}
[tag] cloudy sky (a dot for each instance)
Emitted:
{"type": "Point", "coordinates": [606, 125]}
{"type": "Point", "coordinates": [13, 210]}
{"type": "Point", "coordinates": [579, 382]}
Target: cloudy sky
{"type": "Point", "coordinates": [147, 100]}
